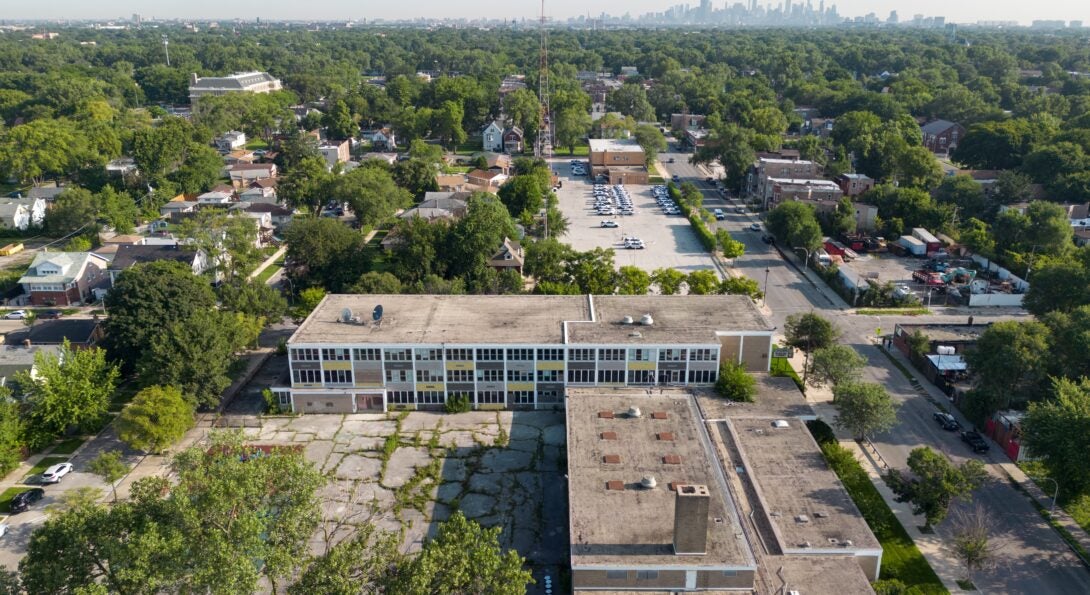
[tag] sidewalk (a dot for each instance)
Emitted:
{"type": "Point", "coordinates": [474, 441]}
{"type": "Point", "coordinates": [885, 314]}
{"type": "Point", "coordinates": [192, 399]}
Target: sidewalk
{"type": "Point", "coordinates": [269, 261]}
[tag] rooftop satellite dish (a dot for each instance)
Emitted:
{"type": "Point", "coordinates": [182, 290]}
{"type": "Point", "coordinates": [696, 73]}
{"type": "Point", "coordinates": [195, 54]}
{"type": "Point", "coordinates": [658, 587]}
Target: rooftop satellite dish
{"type": "Point", "coordinates": [376, 314]}
{"type": "Point", "coordinates": [346, 315]}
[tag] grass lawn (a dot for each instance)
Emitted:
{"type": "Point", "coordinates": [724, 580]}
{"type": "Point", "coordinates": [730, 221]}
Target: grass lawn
{"type": "Point", "coordinates": [901, 559]}
{"type": "Point", "coordinates": [580, 150]}
{"type": "Point", "coordinates": [5, 498]}
{"type": "Point", "coordinates": [257, 143]}
{"type": "Point", "coordinates": [44, 464]}
{"type": "Point", "coordinates": [781, 366]}
{"type": "Point", "coordinates": [263, 276]}
{"type": "Point", "coordinates": [1078, 508]}
{"type": "Point", "coordinates": [66, 447]}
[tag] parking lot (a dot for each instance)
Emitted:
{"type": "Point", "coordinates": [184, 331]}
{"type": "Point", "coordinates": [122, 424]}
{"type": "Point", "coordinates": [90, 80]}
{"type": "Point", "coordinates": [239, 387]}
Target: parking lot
{"type": "Point", "coordinates": [668, 240]}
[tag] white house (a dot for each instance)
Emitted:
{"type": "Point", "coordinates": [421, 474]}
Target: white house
{"type": "Point", "coordinates": [21, 213]}
{"type": "Point", "coordinates": [492, 137]}
{"type": "Point", "coordinates": [231, 140]}
{"type": "Point", "coordinates": [383, 139]}
{"type": "Point", "coordinates": [214, 198]}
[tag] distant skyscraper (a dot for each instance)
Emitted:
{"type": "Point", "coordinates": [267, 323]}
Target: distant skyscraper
{"type": "Point", "coordinates": [787, 7]}
{"type": "Point", "coordinates": [705, 9]}
{"type": "Point", "coordinates": [892, 20]}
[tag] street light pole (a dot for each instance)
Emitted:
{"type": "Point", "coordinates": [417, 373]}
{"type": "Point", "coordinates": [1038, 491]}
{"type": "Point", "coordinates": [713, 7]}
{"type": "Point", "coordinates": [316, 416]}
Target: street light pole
{"type": "Point", "coordinates": [806, 262]}
{"type": "Point", "coordinates": [1055, 493]}
{"type": "Point", "coordinates": [764, 292]}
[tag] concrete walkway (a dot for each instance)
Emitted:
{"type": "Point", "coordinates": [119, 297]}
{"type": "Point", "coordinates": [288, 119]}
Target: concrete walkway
{"type": "Point", "coordinates": [269, 261]}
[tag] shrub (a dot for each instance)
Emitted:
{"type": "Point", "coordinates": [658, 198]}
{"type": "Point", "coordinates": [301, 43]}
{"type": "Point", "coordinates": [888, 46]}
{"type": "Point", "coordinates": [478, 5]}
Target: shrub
{"type": "Point", "coordinates": [458, 403]}
{"type": "Point", "coordinates": [735, 383]}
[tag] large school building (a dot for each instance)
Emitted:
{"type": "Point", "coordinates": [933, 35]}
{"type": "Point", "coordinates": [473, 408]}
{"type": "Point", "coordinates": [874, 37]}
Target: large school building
{"type": "Point", "coordinates": [381, 352]}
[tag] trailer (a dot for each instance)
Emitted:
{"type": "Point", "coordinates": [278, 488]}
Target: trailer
{"type": "Point", "coordinates": [11, 249]}
{"type": "Point", "coordinates": [933, 244]}
{"type": "Point", "coordinates": [913, 245]}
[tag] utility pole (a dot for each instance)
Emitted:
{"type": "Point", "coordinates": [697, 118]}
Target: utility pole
{"type": "Point", "coordinates": [543, 145]}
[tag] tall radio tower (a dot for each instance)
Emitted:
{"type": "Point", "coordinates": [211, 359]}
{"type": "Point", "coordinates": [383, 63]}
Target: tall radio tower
{"type": "Point", "coordinates": [543, 146]}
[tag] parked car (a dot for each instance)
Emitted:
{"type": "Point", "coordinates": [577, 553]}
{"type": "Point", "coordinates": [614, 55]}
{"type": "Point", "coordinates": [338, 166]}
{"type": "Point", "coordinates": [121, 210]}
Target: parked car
{"type": "Point", "coordinates": [56, 472]}
{"type": "Point", "coordinates": [755, 226]}
{"type": "Point", "coordinates": [608, 223]}
{"type": "Point", "coordinates": [15, 315]}
{"type": "Point", "coordinates": [22, 501]}
{"type": "Point", "coordinates": [49, 315]}
{"type": "Point", "coordinates": [675, 178]}
{"type": "Point", "coordinates": [975, 441]}
{"type": "Point", "coordinates": [946, 421]}
{"type": "Point", "coordinates": [709, 180]}
{"type": "Point", "coordinates": [671, 160]}
{"type": "Point", "coordinates": [740, 210]}
{"type": "Point", "coordinates": [3, 529]}
{"type": "Point", "coordinates": [768, 239]}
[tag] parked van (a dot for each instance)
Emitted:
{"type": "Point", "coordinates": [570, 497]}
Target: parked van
{"type": "Point", "coordinates": [719, 214]}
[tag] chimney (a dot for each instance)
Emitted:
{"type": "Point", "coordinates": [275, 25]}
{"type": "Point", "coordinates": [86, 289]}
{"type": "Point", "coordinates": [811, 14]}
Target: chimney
{"type": "Point", "coordinates": [691, 519]}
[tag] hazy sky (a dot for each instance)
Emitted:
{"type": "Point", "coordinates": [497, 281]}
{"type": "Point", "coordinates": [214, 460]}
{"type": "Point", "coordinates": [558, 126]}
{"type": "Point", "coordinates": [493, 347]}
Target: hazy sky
{"type": "Point", "coordinates": [960, 11]}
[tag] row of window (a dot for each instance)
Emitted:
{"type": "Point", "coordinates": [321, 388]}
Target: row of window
{"type": "Point", "coordinates": [573, 377]}
{"type": "Point", "coordinates": [311, 354]}
{"type": "Point", "coordinates": [650, 575]}
{"type": "Point", "coordinates": [484, 397]}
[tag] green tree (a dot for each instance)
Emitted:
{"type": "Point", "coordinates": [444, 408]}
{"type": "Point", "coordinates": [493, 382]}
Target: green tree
{"type": "Point", "coordinates": [371, 193]}
{"type": "Point", "coordinates": [740, 286]}
{"type": "Point", "coordinates": [227, 241]}
{"type": "Point", "coordinates": [73, 209]}
{"type": "Point", "coordinates": [1057, 431]}
{"type": "Point", "coordinates": [668, 280]}
{"type": "Point", "coordinates": [376, 282]}
{"type": "Point", "coordinates": [365, 562]}
{"type": "Point", "coordinates": [477, 236]}
{"type": "Point", "coordinates": [109, 466]}
{"type": "Point", "coordinates": [416, 176]}
{"type": "Point", "coordinates": [592, 271]}
{"type": "Point", "coordinates": [465, 558]}
{"type": "Point", "coordinates": [146, 299]}
{"type": "Point", "coordinates": [996, 145]}
{"type": "Point", "coordinates": [71, 388]}
{"type": "Point", "coordinates": [730, 247]}
{"type": "Point", "coordinates": [934, 483]}
{"type": "Point", "coordinates": [157, 417]}
{"type": "Point", "coordinates": [339, 122]}
{"type": "Point", "coordinates": [309, 299]}
{"type": "Point", "coordinates": [651, 140]}
{"type": "Point", "coordinates": [1009, 363]}
{"type": "Point", "coordinates": [253, 298]}
{"type": "Point", "coordinates": [863, 408]}
{"type": "Point", "coordinates": [200, 169]}
{"type": "Point", "coordinates": [733, 147]}
{"type": "Point", "coordinates": [307, 185]}
{"type": "Point", "coordinates": [572, 126]}
{"type": "Point", "coordinates": [523, 109]}
{"type": "Point", "coordinates": [447, 124]}
{"type": "Point", "coordinates": [323, 252]}
{"type": "Point", "coordinates": [836, 364]}
{"type": "Point", "coordinates": [631, 100]}
{"type": "Point", "coordinates": [810, 331]}
{"type": "Point", "coordinates": [633, 280]}
{"type": "Point", "coordinates": [546, 260]}
{"type": "Point", "coordinates": [702, 282]}
{"type": "Point", "coordinates": [11, 433]}
{"type": "Point", "coordinates": [39, 149]}
{"type": "Point", "coordinates": [1059, 285]}
{"type": "Point", "coordinates": [735, 383]}
{"type": "Point", "coordinates": [796, 225]}
{"type": "Point", "coordinates": [195, 355]}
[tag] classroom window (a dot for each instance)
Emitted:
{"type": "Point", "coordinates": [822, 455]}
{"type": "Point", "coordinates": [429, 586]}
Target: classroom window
{"type": "Point", "coordinates": [581, 376]}
{"type": "Point", "coordinates": [490, 355]}
{"type": "Point", "coordinates": [430, 397]}
{"type": "Point", "coordinates": [520, 354]}
{"type": "Point", "coordinates": [304, 354]}
{"type": "Point", "coordinates": [367, 355]}
{"type": "Point", "coordinates": [550, 355]}
{"type": "Point", "coordinates": [428, 376]}
{"type": "Point", "coordinates": [398, 355]}
{"type": "Point", "coordinates": [520, 376]}
{"type": "Point", "coordinates": [490, 375]}
{"type": "Point", "coordinates": [460, 355]}
{"type": "Point", "coordinates": [460, 376]}
{"type": "Point", "coordinates": [400, 397]}
{"type": "Point", "coordinates": [611, 355]}
{"type": "Point", "coordinates": [549, 376]}
{"type": "Point", "coordinates": [335, 354]}
{"type": "Point", "coordinates": [611, 376]}
{"type": "Point", "coordinates": [580, 355]}
{"type": "Point", "coordinates": [306, 376]}
{"type": "Point", "coordinates": [338, 376]}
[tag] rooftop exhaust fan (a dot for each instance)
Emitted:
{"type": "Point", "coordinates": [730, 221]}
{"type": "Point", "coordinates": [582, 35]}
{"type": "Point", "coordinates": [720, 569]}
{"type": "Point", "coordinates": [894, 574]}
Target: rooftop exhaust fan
{"type": "Point", "coordinates": [647, 320]}
{"type": "Point", "coordinates": [634, 411]}
{"type": "Point", "coordinates": [648, 483]}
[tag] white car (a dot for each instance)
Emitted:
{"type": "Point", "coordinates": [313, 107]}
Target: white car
{"type": "Point", "coordinates": [755, 226]}
{"type": "Point", "coordinates": [56, 472]}
{"type": "Point", "coordinates": [609, 223]}
{"type": "Point", "coordinates": [15, 315]}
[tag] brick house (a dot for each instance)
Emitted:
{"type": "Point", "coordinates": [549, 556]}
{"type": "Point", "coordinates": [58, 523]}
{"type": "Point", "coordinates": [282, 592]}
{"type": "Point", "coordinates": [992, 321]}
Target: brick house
{"type": "Point", "coordinates": [854, 184]}
{"type": "Point", "coordinates": [942, 136]}
{"type": "Point", "coordinates": [64, 278]}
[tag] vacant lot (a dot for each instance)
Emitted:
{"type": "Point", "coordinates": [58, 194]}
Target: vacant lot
{"type": "Point", "coordinates": [670, 240]}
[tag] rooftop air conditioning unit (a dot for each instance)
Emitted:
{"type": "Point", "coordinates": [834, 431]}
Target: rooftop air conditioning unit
{"type": "Point", "coordinates": [627, 320]}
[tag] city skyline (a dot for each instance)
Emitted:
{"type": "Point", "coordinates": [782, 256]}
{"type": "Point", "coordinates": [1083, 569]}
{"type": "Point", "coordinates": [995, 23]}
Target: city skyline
{"type": "Point", "coordinates": [968, 11]}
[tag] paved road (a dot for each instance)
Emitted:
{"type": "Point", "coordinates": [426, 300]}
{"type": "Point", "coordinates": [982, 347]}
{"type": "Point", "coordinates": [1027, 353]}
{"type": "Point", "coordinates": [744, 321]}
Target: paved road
{"type": "Point", "coordinates": [1032, 558]}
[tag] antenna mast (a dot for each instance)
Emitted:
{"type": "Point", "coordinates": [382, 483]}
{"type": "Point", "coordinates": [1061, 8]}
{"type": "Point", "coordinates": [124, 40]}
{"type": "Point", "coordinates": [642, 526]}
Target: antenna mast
{"type": "Point", "coordinates": [543, 145]}
{"type": "Point", "coordinates": [166, 48]}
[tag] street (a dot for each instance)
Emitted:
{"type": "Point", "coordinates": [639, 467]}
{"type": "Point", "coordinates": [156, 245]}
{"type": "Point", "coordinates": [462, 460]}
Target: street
{"type": "Point", "coordinates": [1032, 556]}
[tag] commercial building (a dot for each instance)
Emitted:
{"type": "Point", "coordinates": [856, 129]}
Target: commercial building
{"type": "Point", "coordinates": [622, 161]}
{"type": "Point", "coordinates": [239, 82]}
{"type": "Point", "coordinates": [664, 499]}
{"type": "Point", "coordinates": [518, 352]}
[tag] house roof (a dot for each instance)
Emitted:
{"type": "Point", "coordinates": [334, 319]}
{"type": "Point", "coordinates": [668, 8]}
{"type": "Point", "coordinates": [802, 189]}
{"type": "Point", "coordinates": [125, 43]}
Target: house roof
{"type": "Point", "coordinates": [495, 159]}
{"type": "Point", "coordinates": [937, 126]}
{"type": "Point", "coordinates": [44, 192]}
{"type": "Point", "coordinates": [69, 263]}
{"type": "Point", "coordinates": [54, 332]}
{"type": "Point", "coordinates": [8, 210]}
{"type": "Point", "coordinates": [238, 80]}
{"type": "Point", "coordinates": [509, 255]}
{"type": "Point", "coordinates": [948, 363]}
{"type": "Point", "coordinates": [129, 255]}
{"type": "Point", "coordinates": [16, 358]}
{"type": "Point", "coordinates": [250, 166]}
{"type": "Point", "coordinates": [264, 207]}
{"type": "Point", "coordinates": [178, 205]}
{"type": "Point", "coordinates": [264, 183]}
{"type": "Point", "coordinates": [484, 175]}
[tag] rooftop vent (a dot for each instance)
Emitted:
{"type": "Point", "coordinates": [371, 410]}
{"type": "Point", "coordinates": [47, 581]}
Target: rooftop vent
{"type": "Point", "coordinates": [804, 544]}
{"type": "Point", "coordinates": [648, 483]}
{"type": "Point", "coordinates": [615, 485]}
{"type": "Point", "coordinates": [659, 415]}
{"type": "Point", "coordinates": [611, 459]}
{"type": "Point", "coordinates": [821, 515]}
{"type": "Point", "coordinates": [627, 320]}
{"type": "Point", "coordinates": [665, 436]}
{"type": "Point", "coordinates": [635, 334]}
{"type": "Point", "coordinates": [780, 423]}
{"type": "Point", "coordinates": [847, 543]}
{"type": "Point", "coordinates": [646, 320]}
{"type": "Point", "coordinates": [802, 518]}
{"type": "Point", "coordinates": [671, 460]}
{"type": "Point", "coordinates": [833, 541]}
{"type": "Point", "coordinates": [608, 435]}
{"type": "Point", "coordinates": [634, 411]}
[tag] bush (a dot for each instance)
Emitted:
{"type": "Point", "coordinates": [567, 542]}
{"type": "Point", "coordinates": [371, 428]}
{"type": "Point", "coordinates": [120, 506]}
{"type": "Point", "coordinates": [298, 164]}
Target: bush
{"type": "Point", "coordinates": [735, 383]}
{"type": "Point", "coordinates": [706, 237]}
{"type": "Point", "coordinates": [821, 431]}
{"type": "Point", "coordinates": [458, 403]}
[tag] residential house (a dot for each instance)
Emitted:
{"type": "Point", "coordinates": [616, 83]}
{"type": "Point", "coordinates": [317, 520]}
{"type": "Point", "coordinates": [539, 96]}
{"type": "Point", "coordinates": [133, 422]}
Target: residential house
{"type": "Point", "coordinates": [239, 82]}
{"type": "Point", "coordinates": [854, 184]}
{"type": "Point", "coordinates": [335, 152]}
{"type": "Point", "coordinates": [176, 210]}
{"type": "Point", "coordinates": [439, 205]}
{"type": "Point", "coordinates": [129, 255]}
{"type": "Point", "coordinates": [942, 136]}
{"type": "Point", "coordinates": [513, 140]}
{"type": "Point", "coordinates": [79, 332]}
{"type": "Point", "coordinates": [256, 194]}
{"type": "Point", "coordinates": [451, 182]}
{"type": "Point", "coordinates": [48, 193]}
{"type": "Point", "coordinates": [389, 158]}
{"type": "Point", "coordinates": [622, 161]}
{"type": "Point", "coordinates": [64, 278]}
{"type": "Point", "coordinates": [15, 358]}
{"type": "Point", "coordinates": [492, 137]}
{"type": "Point", "coordinates": [262, 219]}
{"type": "Point", "coordinates": [242, 174]}
{"type": "Point", "coordinates": [686, 121]}
{"type": "Point", "coordinates": [383, 139]}
{"type": "Point", "coordinates": [486, 179]}
{"type": "Point", "coordinates": [214, 198]}
{"type": "Point", "coordinates": [22, 213]}
{"type": "Point", "coordinates": [240, 156]}
{"type": "Point", "coordinates": [278, 216]}
{"type": "Point", "coordinates": [231, 140]}
{"type": "Point", "coordinates": [510, 84]}
{"type": "Point", "coordinates": [508, 257]}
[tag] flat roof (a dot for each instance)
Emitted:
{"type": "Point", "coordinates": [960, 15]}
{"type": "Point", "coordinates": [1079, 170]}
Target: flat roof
{"type": "Point", "coordinates": [614, 144]}
{"type": "Point", "coordinates": [530, 319]}
{"type": "Point", "coordinates": [801, 496]}
{"type": "Point", "coordinates": [634, 526]}
{"type": "Point", "coordinates": [777, 396]}
{"type": "Point", "coordinates": [947, 332]}
{"type": "Point", "coordinates": [814, 575]}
